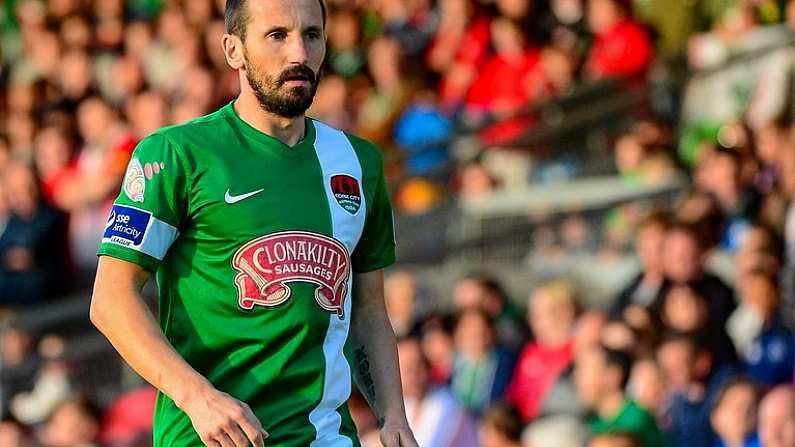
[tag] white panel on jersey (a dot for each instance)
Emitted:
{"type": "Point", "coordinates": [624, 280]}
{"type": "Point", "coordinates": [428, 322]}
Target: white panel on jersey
{"type": "Point", "coordinates": [337, 157]}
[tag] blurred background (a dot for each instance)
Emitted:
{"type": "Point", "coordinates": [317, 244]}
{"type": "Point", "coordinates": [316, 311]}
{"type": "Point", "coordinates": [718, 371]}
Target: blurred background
{"type": "Point", "coordinates": [596, 235]}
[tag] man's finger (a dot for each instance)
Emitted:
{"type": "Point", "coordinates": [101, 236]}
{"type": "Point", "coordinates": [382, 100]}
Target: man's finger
{"type": "Point", "coordinates": [236, 435]}
{"type": "Point", "coordinates": [225, 441]}
{"type": "Point", "coordinates": [253, 432]}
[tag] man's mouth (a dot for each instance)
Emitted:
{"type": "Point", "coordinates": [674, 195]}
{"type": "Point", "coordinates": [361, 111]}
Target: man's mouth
{"type": "Point", "coordinates": [296, 80]}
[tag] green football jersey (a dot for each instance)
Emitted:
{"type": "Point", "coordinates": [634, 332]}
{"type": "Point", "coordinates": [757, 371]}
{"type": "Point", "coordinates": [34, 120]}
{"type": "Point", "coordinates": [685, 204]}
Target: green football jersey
{"type": "Point", "coordinates": [254, 244]}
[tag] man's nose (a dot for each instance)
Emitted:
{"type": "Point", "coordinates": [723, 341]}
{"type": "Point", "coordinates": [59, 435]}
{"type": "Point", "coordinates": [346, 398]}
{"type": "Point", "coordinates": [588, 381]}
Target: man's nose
{"type": "Point", "coordinates": [296, 51]}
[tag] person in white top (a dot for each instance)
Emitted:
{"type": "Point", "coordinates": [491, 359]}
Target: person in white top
{"type": "Point", "coordinates": [434, 415]}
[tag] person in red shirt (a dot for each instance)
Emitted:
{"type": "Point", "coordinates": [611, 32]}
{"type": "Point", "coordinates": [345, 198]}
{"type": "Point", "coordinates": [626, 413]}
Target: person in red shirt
{"type": "Point", "coordinates": [514, 78]}
{"type": "Point", "coordinates": [459, 48]}
{"type": "Point", "coordinates": [552, 312]}
{"type": "Point", "coordinates": [621, 45]}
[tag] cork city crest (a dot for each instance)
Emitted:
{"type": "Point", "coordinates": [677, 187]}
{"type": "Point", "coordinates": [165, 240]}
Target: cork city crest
{"type": "Point", "coordinates": [347, 192]}
{"type": "Point", "coordinates": [267, 265]}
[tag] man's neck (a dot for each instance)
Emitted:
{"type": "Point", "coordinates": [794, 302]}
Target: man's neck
{"type": "Point", "coordinates": [609, 407]}
{"type": "Point", "coordinates": [287, 130]}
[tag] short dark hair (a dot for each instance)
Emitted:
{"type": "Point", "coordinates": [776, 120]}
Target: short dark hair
{"type": "Point", "coordinates": [736, 382]}
{"type": "Point", "coordinates": [505, 419]}
{"type": "Point", "coordinates": [236, 17]}
{"type": "Point", "coordinates": [619, 359]}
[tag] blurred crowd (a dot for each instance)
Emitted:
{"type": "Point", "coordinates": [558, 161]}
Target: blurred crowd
{"type": "Point", "coordinates": [682, 356]}
{"type": "Point", "coordinates": [679, 358]}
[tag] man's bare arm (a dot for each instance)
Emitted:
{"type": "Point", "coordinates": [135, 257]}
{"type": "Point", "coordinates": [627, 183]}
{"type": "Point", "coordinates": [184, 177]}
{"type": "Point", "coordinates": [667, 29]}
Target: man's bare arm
{"type": "Point", "coordinates": [375, 362]}
{"type": "Point", "coordinates": [120, 313]}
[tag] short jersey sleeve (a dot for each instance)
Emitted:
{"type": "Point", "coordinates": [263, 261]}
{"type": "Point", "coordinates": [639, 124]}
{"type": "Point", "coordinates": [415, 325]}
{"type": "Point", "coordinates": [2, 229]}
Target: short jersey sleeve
{"type": "Point", "coordinates": [151, 205]}
{"type": "Point", "coordinates": [376, 247]}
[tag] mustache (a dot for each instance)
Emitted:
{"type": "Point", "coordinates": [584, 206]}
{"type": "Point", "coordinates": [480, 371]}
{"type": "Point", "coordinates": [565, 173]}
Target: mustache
{"type": "Point", "coordinates": [299, 71]}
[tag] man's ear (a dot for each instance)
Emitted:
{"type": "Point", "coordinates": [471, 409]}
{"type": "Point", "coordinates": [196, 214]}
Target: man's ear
{"type": "Point", "coordinates": [233, 51]}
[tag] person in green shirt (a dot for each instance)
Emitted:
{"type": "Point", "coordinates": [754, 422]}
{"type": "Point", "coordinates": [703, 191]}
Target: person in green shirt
{"type": "Point", "coordinates": [600, 375]}
{"type": "Point", "coordinates": [267, 233]}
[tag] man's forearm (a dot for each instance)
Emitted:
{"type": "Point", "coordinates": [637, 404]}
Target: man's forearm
{"type": "Point", "coordinates": [120, 313]}
{"type": "Point", "coordinates": [375, 362]}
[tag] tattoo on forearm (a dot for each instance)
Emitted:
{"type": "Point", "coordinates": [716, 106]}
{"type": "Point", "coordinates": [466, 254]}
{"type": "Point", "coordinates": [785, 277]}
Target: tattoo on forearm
{"type": "Point", "coordinates": [365, 376]}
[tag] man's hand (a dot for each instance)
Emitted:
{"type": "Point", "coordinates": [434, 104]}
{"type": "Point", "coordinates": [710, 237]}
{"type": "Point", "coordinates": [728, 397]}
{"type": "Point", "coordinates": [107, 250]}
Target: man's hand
{"type": "Point", "coordinates": [397, 436]}
{"type": "Point", "coordinates": [221, 420]}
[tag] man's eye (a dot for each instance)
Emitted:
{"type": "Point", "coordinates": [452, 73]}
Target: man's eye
{"type": "Point", "coordinates": [314, 35]}
{"type": "Point", "coordinates": [277, 36]}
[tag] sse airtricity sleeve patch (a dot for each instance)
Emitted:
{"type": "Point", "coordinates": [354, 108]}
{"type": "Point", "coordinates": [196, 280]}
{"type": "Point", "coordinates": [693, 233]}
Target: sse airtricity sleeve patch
{"type": "Point", "coordinates": [139, 230]}
{"type": "Point", "coordinates": [151, 205]}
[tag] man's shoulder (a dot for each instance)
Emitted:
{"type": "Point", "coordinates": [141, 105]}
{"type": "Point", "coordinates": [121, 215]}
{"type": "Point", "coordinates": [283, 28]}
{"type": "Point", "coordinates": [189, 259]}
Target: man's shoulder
{"type": "Point", "coordinates": [370, 155]}
{"type": "Point", "coordinates": [197, 129]}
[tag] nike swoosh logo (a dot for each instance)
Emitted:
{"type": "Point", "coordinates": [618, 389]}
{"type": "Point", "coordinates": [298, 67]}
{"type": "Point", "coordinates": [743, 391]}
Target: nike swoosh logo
{"type": "Point", "coordinates": [230, 199]}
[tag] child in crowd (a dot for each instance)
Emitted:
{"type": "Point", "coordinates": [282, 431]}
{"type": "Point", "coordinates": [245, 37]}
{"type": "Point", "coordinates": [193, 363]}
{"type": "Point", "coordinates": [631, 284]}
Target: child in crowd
{"type": "Point", "coordinates": [501, 427]}
{"type": "Point", "coordinates": [481, 369]}
{"type": "Point", "coordinates": [693, 380]}
{"type": "Point", "coordinates": [552, 310]}
{"type": "Point", "coordinates": [734, 415]}
{"type": "Point", "coordinates": [647, 385]}
{"type": "Point", "coordinates": [601, 375]}
{"type": "Point", "coordinates": [769, 355]}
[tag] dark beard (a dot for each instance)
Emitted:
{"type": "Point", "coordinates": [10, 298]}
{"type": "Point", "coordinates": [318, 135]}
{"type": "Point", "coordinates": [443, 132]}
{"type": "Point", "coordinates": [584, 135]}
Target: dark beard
{"type": "Point", "coordinates": [272, 99]}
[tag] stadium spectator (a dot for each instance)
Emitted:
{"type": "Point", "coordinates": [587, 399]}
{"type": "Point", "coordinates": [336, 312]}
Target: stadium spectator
{"type": "Point", "coordinates": [345, 54]}
{"type": "Point", "coordinates": [391, 91]}
{"type": "Point", "coordinates": [437, 346]}
{"type": "Point", "coordinates": [552, 311]}
{"type": "Point", "coordinates": [423, 134]}
{"type": "Point", "coordinates": [734, 415]}
{"type": "Point", "coordinates": [777, 417]}
{"type": "Point", "coordinates": [769, 357]}
{"type": "Point", "coordinates": [129, 418]}
{"type": "Point", "coordinates": [330, 102]}
{"type": "Point", "coordinates": [642, 290]}
{"type": "Point", "coordinates": [434, 415]}
{"type": "Point", "coordinates": [481, 291]}
{"type": "Point", "coordinates": [33, 242]}
{"type": "Point", "coordinates": [740, 203]}
{"type": "Point", "coordinates": [517, 76]}
{"type": "Point", "coordinates": [53, 151]}
{"type": "Point", "coordinates": [621, 46]}
{"type": "Point", "coordinates": [14, 434]}
{"type": "Point", "coordinates": [400, 295]}
{"type": "Point", "coordinates": [458, 49]}
{"type": "Point", "coordinates": [501, 426]}
{"type": "Point", "coordinates": [18, 364]}
{"type": "Point", "coordinates": [686, 310]}
{"type": "Point", "coordinates": [647, 385]}
{"type": "Point", "coordinates": [768, 143]}
{"type": "Point", "coordinates": [51, 384]}
{"type": "Point", "coordinates": [683, 258]}
{"type": "Point", "coordinates": [481, 369]}
{"type": "Point", "coordinates": [73, 423]}
{"type": "Point", "coordinates": [693, 381]}
{"type": "Point", "coordinates": [601, 375]}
